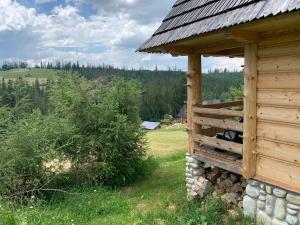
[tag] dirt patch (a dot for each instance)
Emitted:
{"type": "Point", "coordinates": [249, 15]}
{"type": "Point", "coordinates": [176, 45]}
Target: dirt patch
{"type": "Point", "coordinates": [172, 207]}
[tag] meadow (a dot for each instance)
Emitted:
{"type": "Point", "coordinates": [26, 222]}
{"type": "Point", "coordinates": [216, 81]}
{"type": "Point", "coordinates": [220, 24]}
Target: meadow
{"type": "Point", "coordinates": [27, 73]}
{"type": "Point", "coordinates": [157, 198]}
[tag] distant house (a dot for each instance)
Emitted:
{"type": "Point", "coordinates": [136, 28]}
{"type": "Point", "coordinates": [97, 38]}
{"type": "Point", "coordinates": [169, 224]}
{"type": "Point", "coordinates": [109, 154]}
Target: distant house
{"type": "Point", "coordinates": [150, 125]}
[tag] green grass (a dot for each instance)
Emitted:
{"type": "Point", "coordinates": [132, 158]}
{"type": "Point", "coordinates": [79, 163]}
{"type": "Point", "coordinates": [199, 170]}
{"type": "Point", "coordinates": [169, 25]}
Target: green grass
{"type": "Point", "coordinates": [33, 73]}
{"type": "Point", "coordinates": [167, 141]}
{"type": "Point", "coordinates": [158, 199]}
{"type": "Point", "coordinates": [30, 75]}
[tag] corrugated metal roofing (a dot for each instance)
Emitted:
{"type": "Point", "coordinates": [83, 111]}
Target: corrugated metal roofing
{"type": "Point", "coordinates": [150, 125]}
{"type": "Point", "coordinates": [189, 18]}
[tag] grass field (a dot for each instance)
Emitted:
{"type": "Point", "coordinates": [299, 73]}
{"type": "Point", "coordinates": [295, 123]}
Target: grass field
{"type": "Point", "coordinates": [158, 199]}
{"type": "Point", "coordinates": [30, 72]}
{"type": "Point", "coordinates": [29, 75]}
{"type": "Point", "coordinates": [167, 141]}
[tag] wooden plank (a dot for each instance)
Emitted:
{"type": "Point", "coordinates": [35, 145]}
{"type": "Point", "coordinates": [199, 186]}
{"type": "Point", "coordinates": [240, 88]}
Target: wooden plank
{"type": "Point", "coordinates": [282, 80]}
{"type": "Point", "coordinates": [250, 100]}
{"type": "Point", "coordinates": [279, 150]}
{"type": "Point", "coordinates": [225, 124]}
{"type": "Point", "coordinates": [224, 105]}
{"type": "Point", "coordinates": [285, 49]}
{"type": "Point", "coordinates": [282, 63]}
{"type": "Point", "coordinates": [279, 97]}
{"type": "Point", "coordinates": [278, 114]}
{"type": "Point", "coordinates": [276, 40]}
{"type": "Point", "coordinates": [218, 161]}
{"type": "Point", "coordinates": [278, 132]}
{"type": "Point", "coordinates": [219, 112]}
{"type": "Point", "coordinates": [194, 96]}
{"type": "Point", "coordinates": [218, 143]}
{"type": "Point", "coordinates": [278, 173]}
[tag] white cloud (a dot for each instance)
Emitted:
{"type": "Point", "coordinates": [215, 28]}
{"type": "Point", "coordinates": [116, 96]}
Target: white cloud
{"type": "Point", "coordinates": [44, 1]}
{"type": "Point", "coordinates": [66, 35]}
{"type": "Point", "coordinates": [14, 16]}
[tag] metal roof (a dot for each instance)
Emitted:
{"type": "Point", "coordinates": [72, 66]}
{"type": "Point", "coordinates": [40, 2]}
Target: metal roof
{"type": "Point", "coordinates": [150, 125]}
{"type": "Point", "coordinates": [190, 18]}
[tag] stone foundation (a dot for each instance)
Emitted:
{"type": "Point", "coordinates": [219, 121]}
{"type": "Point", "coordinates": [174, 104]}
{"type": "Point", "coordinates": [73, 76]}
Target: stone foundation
{"type": "Point", "coordinates": [228, 186]}
{"type": "Point", "coordinates": [194, 174]}
{"type": "Point", "coordinates": [271, 205]}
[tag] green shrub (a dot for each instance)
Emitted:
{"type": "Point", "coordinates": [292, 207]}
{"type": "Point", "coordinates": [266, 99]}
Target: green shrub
{"type": "Point", "coordinates": [237, 93]}
{"type": "Point", "coordinates": [31, 144]}
{"type": "Point", "coordinates": [6, 119]}
{"type": "Point", "coordinates": [93, 129]}
{"type": "Point", "coordinates": [107, 119]}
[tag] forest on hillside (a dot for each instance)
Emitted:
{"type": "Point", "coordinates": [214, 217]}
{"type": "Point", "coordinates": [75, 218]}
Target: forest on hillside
{"type": "Point", "coordinates": [163, 92]}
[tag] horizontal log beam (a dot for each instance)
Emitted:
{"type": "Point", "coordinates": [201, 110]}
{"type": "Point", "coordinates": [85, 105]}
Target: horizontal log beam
{"type": "Point", "coordinates": [223, 105]}
{"type": "Point", "coordinates": [219, 161]}
{"type": "Point", "coordinates": [218, 143]}
{"type": "Point", "coordinates": [225, 124]}
{"type": "Point", "coordinates": [219, 112]}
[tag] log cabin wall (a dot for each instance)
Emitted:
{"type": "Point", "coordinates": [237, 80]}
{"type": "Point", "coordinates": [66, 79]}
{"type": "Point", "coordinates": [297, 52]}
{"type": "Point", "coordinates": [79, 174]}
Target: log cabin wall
{"type": "Point", "coordinates": [278, 111]}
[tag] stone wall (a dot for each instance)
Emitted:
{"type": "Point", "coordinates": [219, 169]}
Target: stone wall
{"type": "Point", "coordinates": [271, 205]}
{"type": "Point", "coordinates": [194, 177]}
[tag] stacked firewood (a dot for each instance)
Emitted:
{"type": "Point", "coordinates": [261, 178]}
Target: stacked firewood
{"type": "Point", "coordinates": [230, 187]}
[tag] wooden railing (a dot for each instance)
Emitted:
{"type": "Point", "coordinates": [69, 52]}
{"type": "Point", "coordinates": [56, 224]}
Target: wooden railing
{"type": "Point", "coordinates": [224, 124]}
{"type": "Point", "coordinates": [218, 117]}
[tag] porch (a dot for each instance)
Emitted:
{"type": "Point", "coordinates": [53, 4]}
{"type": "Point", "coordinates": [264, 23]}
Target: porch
{"type": "Point", "coordinates": [220, 139]}
{"type": "Point", "coordinates": [208, 123]}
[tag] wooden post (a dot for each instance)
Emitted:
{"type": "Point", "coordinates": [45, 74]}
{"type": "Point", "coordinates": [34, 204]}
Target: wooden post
{"type": "Point", "coordinates": [194, 97]}
{"type": "Point", "coordinates": [250, 98]}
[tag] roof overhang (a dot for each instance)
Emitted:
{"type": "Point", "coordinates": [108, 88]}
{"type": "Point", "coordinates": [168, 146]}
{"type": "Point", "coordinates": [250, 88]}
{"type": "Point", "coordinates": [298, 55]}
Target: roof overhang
{"type": "Point", "coordinates": [230, 41]}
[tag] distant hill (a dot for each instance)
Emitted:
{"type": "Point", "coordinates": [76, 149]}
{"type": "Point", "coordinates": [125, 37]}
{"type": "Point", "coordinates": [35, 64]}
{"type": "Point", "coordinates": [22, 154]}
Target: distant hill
{"type": "Point", "coordinates": [164, 92]}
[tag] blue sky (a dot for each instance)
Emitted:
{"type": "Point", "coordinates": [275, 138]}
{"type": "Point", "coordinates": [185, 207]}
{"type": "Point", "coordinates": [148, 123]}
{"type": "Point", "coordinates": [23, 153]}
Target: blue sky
{"type": "Point", "coordinates": [88, 31]}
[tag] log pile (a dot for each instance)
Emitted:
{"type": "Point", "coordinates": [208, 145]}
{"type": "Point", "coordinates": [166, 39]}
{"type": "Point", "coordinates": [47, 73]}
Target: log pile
{"type": "Point", "coordinates": [228, 186]}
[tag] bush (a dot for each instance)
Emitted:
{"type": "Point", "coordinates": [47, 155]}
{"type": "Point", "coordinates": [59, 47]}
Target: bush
{"type": "Point", "coordinates": [107, 119]}
{"type": "Point", "coordinates": [94, 129]}
{"type": "Point", "coordinates": [31, 144]}
{"type": "Point", "coordinates": [237, 93]}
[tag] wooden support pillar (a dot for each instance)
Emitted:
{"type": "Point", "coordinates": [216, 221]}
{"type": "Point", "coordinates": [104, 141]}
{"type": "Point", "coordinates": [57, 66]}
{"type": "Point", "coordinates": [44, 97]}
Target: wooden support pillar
{"type": "Point", "coordinates": [194, 97]}
{"type": "Point", "coordinates": [250, 110]}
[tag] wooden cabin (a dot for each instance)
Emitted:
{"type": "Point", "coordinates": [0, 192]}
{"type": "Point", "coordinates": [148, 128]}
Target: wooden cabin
{"type": "Point", "coordinates": [266, 33]}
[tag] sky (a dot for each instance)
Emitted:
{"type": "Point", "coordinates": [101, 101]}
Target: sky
{"type": "Point", "coordinates": [89, 31]}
